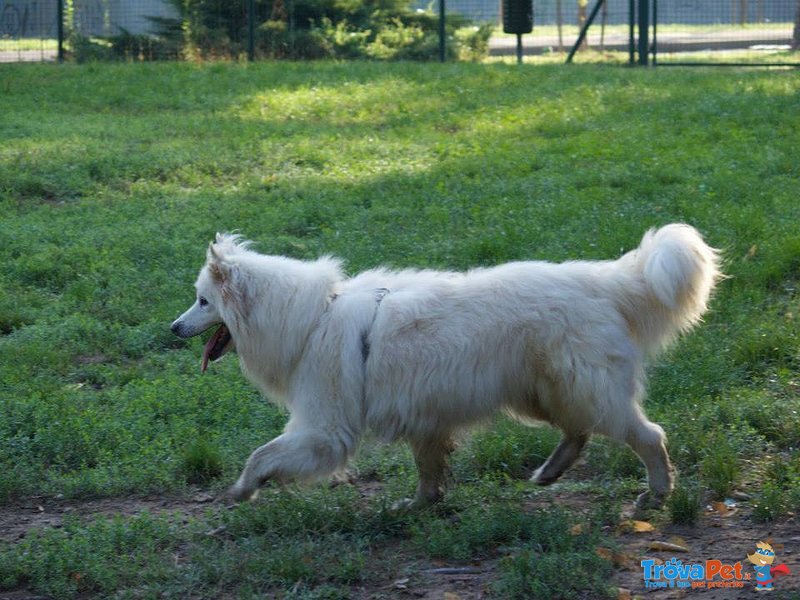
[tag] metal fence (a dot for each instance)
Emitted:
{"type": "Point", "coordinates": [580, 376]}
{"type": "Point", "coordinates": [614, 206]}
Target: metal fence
{"type": "Point", "coordinates": [733, 32]}
{"type": "Point", "coordinates": [674, 31]}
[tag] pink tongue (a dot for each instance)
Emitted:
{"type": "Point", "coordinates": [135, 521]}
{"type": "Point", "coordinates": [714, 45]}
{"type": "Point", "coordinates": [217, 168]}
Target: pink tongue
{"type": "Point", "coordinates": [209, 346]}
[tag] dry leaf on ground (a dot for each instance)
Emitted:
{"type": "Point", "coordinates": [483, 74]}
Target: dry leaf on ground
{"type": "Point", "coordinates": [618, 559]}
{"type": "Point", "coordinates": [634, 526]}
{"type": "Point", "coordinates": [667, 547]}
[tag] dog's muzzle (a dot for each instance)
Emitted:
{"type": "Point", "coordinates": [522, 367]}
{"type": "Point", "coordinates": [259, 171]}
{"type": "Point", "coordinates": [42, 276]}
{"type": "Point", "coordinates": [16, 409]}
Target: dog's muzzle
{"type": "Point", "coordinates": [178, 329]}
{"type": "Point", "coordinates": [219, 344]}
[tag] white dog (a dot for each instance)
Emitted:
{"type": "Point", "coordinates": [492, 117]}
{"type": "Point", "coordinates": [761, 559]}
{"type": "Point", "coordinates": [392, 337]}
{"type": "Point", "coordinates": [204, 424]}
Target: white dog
{"type": "Point", "coordinates": [418, 355]}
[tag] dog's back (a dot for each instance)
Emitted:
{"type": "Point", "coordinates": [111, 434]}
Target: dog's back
{"type": "Point", "coordinates": [558, 342]}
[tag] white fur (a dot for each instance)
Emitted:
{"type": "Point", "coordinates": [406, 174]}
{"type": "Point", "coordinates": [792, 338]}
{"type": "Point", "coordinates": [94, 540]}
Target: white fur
{"type": "Point", "coordinates": [563, 343]}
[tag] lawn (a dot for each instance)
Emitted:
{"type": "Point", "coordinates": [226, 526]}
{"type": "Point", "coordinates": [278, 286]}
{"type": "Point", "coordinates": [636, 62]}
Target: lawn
{"type": "Point", "coordinates": [113, 178]}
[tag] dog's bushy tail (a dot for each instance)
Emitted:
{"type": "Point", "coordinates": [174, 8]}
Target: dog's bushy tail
{"type": "Point", "coordinates": [679, 271]}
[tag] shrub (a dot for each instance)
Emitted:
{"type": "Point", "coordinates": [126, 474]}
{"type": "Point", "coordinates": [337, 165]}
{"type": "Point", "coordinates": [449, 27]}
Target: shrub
{"type": "Point", "coordinates": [473, 42]}
{"type": "Point", "coordinates": [84, 49]}
{"type": "Point", "coordinates": [397, 40]}
{"type": "Point", "coordinates": [128, 46]}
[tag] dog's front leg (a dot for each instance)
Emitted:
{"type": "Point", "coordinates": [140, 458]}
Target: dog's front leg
{"type": "Point", "coordinates": [297, 455]}
{"type": "Point", "coordinates": [649, 442]}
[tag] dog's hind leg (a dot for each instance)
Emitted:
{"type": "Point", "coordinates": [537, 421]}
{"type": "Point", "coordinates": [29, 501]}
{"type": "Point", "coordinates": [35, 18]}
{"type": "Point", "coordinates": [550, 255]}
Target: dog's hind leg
{"type": "Point", "coordinates": [296, 455]}
{"type": "Point", "coordinates": [561, 459]}
{"type": "Point", "coordinates": [431, 455]}
{"type": "Point", "coordinates": [648, 441]}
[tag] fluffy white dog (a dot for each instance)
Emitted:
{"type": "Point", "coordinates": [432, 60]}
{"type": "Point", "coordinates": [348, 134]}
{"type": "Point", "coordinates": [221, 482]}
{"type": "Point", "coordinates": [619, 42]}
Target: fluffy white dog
{"type": "Point", "coordinates": [418, 355]}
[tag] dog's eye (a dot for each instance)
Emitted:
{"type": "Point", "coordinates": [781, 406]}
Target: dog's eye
{"type": "Point", "coordinates": [202, 301]}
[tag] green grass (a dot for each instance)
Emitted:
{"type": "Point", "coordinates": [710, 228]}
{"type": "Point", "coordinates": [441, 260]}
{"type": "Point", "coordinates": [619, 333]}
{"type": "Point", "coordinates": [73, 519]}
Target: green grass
{"type": "Point", "coordinates": [27, 44]}
{"type": "Point", "coordinates": [114, 177]}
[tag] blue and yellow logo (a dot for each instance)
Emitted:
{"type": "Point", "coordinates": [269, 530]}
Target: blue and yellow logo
{"type": "Point", "coordinates": [714, 573]}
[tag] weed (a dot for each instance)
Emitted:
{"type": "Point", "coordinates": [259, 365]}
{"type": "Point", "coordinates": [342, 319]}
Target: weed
{"type": "Point", "coordinates": [202, 462]}
{"type": "Point", "coordinates": [511, 448]}
{"type": "Point", "coordinates": [720, 468]}
{"type": "Point", "coordinates": [532, 574]}
{"type": "Point", "coordinates": [769, 503]}
{"type": "Point", "coordinates": [611, 459]}
{"type": "Point", "coordinates": [685, 502]}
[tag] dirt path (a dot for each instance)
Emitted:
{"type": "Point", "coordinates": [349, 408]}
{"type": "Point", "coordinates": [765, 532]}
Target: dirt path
{"type": "Point", "coordinates": [728, 539]}
{"type": "Point", "coordinates": [20, 518]}
{"type": "Point", "coordinates": [716, 537]}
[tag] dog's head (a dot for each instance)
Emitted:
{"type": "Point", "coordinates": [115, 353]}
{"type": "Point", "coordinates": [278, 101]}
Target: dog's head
{"type": "Point", "coordinates": [217, 300]}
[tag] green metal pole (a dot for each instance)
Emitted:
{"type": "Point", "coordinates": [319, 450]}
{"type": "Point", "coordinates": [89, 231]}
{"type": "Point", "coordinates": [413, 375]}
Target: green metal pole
{"type": "Point", "coordinates": [60, 29]}
{"type": "Point", "coordinates": [644, 31]}
{"type": "Point", "coordinates": [442, 32]}
{"type": "Point", "coordinates": [655, 32]}
{"type": "Point", "coordinates": [251, 30]}
{"type": "Point", "coordinates": [584, 30]}
{"type": "Point", "coordinates": [631, 26]}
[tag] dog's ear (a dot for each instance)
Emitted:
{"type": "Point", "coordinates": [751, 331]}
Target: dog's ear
{"type": "Point", "coordinates": [225, 274]}
{"type": "Point", "coordinates": [214, 251]}
{"type": "Point", "coordinates": [217, 267]}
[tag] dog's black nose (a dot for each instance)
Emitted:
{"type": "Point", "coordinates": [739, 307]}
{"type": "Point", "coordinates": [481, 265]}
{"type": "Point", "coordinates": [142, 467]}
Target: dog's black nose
{"type": "Point", "coordinates": [176, 328]}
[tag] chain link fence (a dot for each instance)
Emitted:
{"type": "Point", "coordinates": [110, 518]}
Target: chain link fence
{"type": "Point", "coordinates": [28, 30]}
{"type": "Point", "coordinates": [679, 31]}
{"type": "Point", "coordinates": [733, 32]}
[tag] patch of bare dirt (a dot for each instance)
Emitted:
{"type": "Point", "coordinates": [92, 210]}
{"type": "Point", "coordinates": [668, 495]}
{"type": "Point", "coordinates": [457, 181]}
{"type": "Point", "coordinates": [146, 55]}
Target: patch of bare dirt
{"type": "Point", "coordinates": [19, 518]}
{"type": "Point", "coordinates": [724, 537]}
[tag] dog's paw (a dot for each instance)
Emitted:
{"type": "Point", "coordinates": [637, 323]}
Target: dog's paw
{"type": "Point", "coordinates": [343, 477]}
{"type": "Point", "coordinates": [405, 505]}
{"type": "Point", "coordinates": [240, 493]}
{"type": "Point", "coordinates": [649, 501]}
{"type": "Point", "coordinates": [539, 477]}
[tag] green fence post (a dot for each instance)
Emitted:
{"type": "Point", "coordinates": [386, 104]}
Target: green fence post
{"type": "Point", "coordinates": [442, 32]}
{"type": "Point", "coordinates": [644, 31]}
{"type": "Point", "coordinates": [251, 30]}
{"type": "Point", "coordinates": [655, 32]}
{"type": "Point", "coordinates": [60, 29]}
{"type": "Point", "coordinates": [631, 27]}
